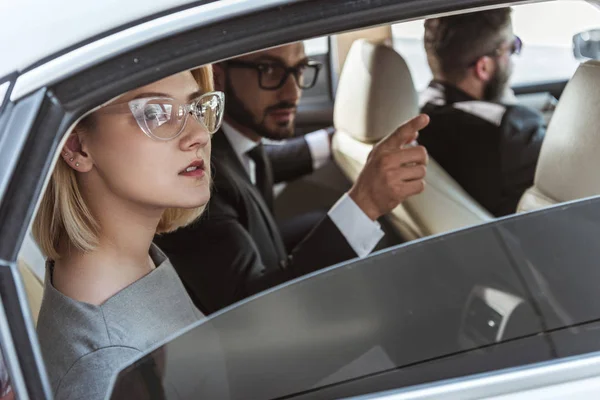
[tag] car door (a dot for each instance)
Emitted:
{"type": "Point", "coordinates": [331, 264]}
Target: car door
{"type": "Point", "coordinates": [504, 294]}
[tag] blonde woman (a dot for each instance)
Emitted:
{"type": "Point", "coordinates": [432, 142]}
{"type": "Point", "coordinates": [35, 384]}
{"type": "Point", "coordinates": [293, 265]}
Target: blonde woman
{"type": "Point", "coordinates": [133, 168]}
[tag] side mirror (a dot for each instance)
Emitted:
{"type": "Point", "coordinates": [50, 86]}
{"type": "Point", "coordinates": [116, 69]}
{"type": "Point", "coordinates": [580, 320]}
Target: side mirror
{"type": "Point", "coordinates": [586, 45]}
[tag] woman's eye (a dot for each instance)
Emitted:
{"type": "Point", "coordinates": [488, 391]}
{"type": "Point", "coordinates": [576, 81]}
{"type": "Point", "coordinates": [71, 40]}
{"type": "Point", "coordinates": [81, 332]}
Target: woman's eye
{"type": "Point", "coordinates": [157, 113]}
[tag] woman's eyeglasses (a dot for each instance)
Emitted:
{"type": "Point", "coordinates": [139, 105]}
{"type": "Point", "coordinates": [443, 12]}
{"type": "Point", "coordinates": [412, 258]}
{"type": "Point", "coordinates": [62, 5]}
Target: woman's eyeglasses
{"type": "Point", "coordinates": [163, 118]}
{"type": "Point", "coordinates": [272, 75]}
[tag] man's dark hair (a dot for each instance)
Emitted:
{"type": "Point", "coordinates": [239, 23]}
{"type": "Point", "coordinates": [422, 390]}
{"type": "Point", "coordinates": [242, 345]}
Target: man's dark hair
{"type": "Point", "coordinates": [453, 43]}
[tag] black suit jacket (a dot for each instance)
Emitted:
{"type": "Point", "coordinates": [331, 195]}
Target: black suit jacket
{"type": "Point", "coordinates": [290, 160]}
{"type": "Point", "coordinates": [493, 161]}
{"type": "Point", "coordinates": [235, 249]}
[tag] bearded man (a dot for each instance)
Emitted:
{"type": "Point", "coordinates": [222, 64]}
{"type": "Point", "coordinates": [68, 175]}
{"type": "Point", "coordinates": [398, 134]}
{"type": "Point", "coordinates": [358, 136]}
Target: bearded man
{"type": "Point", "coordinates": [236, 249]}
{"type": "Point", "coordinates": [478, 134]}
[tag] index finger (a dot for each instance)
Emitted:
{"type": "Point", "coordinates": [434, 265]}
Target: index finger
{"type": "Point", "coordinates": [406, 133]}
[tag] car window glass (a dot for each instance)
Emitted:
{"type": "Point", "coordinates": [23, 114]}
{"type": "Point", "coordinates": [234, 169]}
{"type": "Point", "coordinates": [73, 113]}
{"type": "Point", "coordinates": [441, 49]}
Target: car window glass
{"type": "Point", "coordinates": [316, 46]}
{"type": "Point", "coordinates": [546, 29]}
{"type": "Point", "coordinates": [416, 312]}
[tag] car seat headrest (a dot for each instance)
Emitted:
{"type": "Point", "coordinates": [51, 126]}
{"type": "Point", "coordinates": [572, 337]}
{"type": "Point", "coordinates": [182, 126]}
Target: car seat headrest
{"type": "Point", "coordinates": [569, 160]}
{"type": "Point", "coordinates": [375, 93]}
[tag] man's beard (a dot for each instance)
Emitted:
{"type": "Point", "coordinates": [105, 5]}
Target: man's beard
{"type": "Point", "coordinates": [237, 111]}
{"type": "Point", "coordinates": [494, 91]}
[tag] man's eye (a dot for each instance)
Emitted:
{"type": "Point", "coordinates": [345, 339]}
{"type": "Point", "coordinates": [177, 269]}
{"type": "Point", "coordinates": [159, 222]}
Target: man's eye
{"type": "Point", "coordinates": [268, 69]}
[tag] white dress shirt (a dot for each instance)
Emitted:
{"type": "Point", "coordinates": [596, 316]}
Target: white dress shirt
{"type": "Point", "coordinates": [361, 233]}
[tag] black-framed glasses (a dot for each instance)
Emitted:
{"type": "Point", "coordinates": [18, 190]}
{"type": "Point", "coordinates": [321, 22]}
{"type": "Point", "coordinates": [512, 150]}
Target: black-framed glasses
{"type": "Point", "coordinates": [515, 48]}
{"type": "Point", "coordinates": [273, 75]}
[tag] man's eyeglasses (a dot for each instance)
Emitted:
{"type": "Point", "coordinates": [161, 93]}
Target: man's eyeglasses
{"type": "Point", "coordinates": [515, 47]}
{"type": "Point", "coordinates": [272, 76]}
{"type": "Point", "coordinates": [163, 118]}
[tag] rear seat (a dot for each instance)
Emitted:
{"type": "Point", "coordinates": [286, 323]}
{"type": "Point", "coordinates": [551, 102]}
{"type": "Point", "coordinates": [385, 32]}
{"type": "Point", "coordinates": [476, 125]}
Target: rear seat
{"type": "Point", "coordinates": [375, 95]}
{"type": "Point", "coordinates": [566, 167]}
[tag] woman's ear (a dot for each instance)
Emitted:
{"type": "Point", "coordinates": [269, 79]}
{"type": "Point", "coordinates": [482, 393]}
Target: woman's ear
{"type": "Point", "coordinates": [219, 75]}
{"type": "Point", "coordinates": [485, 68]}
{"type": "Point", "coordinates": [74, 155]}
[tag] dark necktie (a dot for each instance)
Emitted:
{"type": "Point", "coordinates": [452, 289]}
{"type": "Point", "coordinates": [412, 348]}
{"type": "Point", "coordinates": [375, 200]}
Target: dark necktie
{"type": "Point", "coordinates": [263, 173]}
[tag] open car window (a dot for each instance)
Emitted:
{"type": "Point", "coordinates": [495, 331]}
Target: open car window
{"type": "Point", "coordinates": [490, 297]}
{"type": "Point", "coordinates": [548, 43]}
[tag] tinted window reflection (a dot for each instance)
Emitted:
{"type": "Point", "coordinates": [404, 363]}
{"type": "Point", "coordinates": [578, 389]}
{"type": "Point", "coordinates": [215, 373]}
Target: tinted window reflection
{"type": "Point", "coordinates": [143, 380]}
{"type": "Point", "coordinates": [414, 306]}
{"type": "Point", "coordinates": [6, 391]}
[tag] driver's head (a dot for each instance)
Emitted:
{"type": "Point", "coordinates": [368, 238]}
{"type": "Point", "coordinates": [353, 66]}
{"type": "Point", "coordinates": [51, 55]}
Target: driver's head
{"type": "Point", "coordinates": [474, 48]}
{"type": "Point", "coordinates": [263, 89]}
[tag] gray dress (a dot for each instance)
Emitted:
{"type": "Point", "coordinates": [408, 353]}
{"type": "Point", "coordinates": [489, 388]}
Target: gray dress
{"type": "Point", "coordinates": [84, 345]}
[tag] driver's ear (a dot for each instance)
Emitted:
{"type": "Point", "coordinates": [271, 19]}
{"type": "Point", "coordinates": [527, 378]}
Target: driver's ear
{"type": "Point", "coordinates": [74, 152]}
{"type": "Point", "coordinates": [485, 68]}
{"type": "Point", "coordinates": [219, 74]}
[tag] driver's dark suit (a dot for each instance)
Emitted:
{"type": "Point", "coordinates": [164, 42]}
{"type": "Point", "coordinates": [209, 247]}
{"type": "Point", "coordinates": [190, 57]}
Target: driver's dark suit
{"type": "Point", "coordinates": [490, 149]}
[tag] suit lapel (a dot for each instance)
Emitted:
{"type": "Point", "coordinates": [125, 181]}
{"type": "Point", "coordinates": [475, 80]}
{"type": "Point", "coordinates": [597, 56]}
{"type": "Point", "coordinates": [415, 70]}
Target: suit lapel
{"type": "Point", "coordinates": [222, 149]}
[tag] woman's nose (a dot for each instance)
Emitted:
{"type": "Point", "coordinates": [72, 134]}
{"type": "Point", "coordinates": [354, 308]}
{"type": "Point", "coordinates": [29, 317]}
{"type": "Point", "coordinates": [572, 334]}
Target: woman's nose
{"type": "Point", "coordinates": [195, 135]}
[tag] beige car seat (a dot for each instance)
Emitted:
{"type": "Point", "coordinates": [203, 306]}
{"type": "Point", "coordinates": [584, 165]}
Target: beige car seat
{"type": "Point", "coordinates": [566, 169]}
{"type": "Point", "coordinates": [375, 95]}
{"type": "Point", "coordinates": [31, 268]}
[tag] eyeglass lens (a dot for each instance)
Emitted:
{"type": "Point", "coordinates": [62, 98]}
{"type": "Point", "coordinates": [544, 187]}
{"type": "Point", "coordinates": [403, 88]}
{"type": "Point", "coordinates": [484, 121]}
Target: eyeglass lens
{"type": "Point", "coordinates": [165, 119]}
{"type": "Point", "coordinates": [274, 75]}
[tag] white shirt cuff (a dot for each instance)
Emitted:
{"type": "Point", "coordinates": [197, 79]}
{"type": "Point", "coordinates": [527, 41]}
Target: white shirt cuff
{"type": "Point", "coordinates": [319, 146]}
{"type": "Point", "coordinates": [360, 231]}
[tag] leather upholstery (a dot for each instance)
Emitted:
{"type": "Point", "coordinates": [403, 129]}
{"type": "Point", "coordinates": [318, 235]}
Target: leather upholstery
{"type": "Point", "coordinates": [568, 165]}
{"type": "Point", "coordinates": [31, 266]}
{"type": "Point", "coordinates": [34, 288]}
{"type": "Point", "coordinates": [376, 95]}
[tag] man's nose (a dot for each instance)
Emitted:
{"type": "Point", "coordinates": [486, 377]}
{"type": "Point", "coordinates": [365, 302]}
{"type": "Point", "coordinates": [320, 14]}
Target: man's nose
{"type": "Point", "coordinates": [290, 91]}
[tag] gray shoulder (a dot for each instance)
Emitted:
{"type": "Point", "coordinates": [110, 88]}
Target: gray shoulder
{"type": "Point", "coordinates": [90, 376]}
{"type": "Point", "coordinates": [490, 112]}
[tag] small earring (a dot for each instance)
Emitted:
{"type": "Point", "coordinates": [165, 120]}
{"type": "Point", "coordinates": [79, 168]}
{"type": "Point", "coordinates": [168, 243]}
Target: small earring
{"type": "Point", "coordinates": [66, 153]}
{"type": "Point", "coordinates": [71, 159]}
{"type": "Point", "coordinates": [77, 164]}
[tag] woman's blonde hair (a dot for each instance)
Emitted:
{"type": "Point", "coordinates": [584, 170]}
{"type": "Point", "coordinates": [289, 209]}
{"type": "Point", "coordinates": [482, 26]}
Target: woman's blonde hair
{"type": "Point", "coordinates": [63, 214]}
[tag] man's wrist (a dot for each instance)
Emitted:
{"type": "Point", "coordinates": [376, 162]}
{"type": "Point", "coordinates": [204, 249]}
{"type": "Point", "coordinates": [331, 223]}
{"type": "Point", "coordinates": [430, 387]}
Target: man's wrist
{"type": "Point", "coordinates": [365, 204]}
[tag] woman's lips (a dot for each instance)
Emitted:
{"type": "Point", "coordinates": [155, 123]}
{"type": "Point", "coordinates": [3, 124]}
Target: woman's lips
{"type": "Point", "coordinates": [195, 169]}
